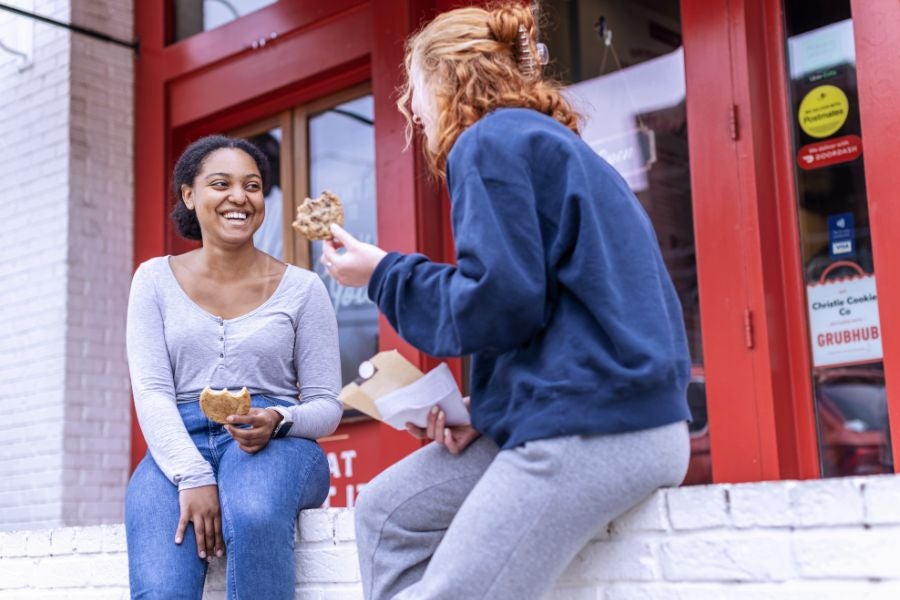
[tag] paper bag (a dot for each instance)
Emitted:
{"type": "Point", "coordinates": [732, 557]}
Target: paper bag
{"type": "Point", "coordinates": [380, 375]}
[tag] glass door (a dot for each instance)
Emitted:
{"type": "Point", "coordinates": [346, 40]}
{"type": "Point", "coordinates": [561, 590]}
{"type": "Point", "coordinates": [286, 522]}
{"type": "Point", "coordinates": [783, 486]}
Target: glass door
{"type": "Point", "coordinates": [325, 145]}
{"type": "Point", "coordinates": [273, 137]}
{"type": "Point", "coordinates": [340, 142]}
{"type": "Point", "coordinates": [836, 246]}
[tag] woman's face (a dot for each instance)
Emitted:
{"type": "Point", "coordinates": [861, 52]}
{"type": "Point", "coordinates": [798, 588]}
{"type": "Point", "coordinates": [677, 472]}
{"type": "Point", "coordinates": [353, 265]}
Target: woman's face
{"type": "Point", "coordinates": [227, 197]}
{"type": "Point", "coordinates": [424, 107]}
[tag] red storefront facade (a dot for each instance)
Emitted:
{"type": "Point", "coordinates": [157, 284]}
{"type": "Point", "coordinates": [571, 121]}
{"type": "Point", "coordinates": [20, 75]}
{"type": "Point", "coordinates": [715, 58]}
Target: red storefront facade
{"type": "Point", "coordinates": [767, 386]}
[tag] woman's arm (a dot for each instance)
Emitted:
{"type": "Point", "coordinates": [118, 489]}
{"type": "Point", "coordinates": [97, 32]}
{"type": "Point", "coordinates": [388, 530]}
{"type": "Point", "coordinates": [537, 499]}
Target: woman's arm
{"type": "Point", "coordinates": [153, 386]}
{"type": "Point", "coordinates": [494, 298]}
{"type": "Point", "coordinates": [318, 363]}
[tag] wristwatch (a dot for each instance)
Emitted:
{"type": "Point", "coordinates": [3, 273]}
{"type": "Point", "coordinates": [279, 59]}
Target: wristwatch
{"type": "Point", "coordinates": [282, 429]}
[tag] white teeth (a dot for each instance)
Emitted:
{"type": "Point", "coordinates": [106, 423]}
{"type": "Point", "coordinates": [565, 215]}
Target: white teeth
{"type": "Point", "coordinates": [234, 215]}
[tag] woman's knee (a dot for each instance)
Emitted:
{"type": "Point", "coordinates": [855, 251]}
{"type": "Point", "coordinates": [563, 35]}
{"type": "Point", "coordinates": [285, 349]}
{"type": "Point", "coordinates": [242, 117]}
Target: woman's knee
{"type": "Point", "coordinates": [383, 499]}
{"type": "Point", "coordinates": [390, 497]}
{"type": "Point", "coordinates": [256, 517]}
{"type": "Point", "coordinates": [373, 503]}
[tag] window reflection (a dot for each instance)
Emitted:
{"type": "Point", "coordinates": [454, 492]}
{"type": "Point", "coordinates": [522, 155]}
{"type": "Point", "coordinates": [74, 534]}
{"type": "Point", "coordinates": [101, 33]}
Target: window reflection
{"type": "Point", "coordinates": [191, 17]}
{"type": "Point", "coordinates": [625, 65]}
{"type": "Point", "coordinates": [851, 407]}
{"type": "Point", "coordinates": [342, 161]}
{"type": "Point", "coordinates": [270, 236]}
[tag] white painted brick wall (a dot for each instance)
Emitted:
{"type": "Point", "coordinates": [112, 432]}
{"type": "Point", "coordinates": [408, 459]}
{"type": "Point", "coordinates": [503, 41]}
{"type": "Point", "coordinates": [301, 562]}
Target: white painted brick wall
{"type": "Point", "coordinates": [97, 424]}
{"type": "Point", "coordinates": [34, 159]}
{"type": "Point", "coordinates": [834, 539]}
{"type": "Point", "coordinates": [65, 263]}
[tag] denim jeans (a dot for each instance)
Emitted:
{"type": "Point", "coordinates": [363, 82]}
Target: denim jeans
{"type": "Point", "coordinates": [260, 496]}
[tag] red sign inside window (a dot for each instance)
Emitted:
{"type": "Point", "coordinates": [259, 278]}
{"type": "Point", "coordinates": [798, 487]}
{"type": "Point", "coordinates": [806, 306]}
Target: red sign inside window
{"type": "Point", "coordinates": [357, 452]}
{"type": "Point", "coordinates": [829, 152]}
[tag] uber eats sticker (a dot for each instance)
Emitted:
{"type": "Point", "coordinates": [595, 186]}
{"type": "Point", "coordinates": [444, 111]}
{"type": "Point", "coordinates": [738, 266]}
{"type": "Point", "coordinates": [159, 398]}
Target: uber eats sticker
{"type": "Point", "coordinates": [823, 111]}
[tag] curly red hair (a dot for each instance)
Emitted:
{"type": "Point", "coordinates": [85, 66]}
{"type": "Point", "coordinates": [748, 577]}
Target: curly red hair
{"type": "Point", "coordinates": [470, 58]}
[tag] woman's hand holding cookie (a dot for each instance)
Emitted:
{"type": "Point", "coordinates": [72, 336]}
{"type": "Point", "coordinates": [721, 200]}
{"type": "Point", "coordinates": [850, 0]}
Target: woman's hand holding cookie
{"type": "Point", "coordinates": [254, 438]}
{"type": "Point", "coordinates": [354, 266]}
{"type": "Point", "coordinates": [200, 507]}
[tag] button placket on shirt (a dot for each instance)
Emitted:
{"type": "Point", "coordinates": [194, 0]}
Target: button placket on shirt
{"type": "Point", "coordinates": [221, 341]}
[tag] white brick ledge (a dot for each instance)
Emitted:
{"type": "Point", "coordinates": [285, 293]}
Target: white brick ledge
{"type": "Point", "coordinates": [824, 540]}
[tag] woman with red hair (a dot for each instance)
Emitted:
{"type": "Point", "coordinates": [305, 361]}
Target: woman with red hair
{"type": "Point", "coordinates": [559, 294]}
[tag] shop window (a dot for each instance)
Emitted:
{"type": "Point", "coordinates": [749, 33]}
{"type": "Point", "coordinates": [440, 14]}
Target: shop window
{"type": "Point", "coordinates": [624, 66]}
{"type": "Point", "coordinates": [269, 237]}
{"type": "Point", "coordinates": [271, 135]}
{"type": "Point", "coordinates": [326, 145]}
{"type": "Point", "coordinates": [342, 161]}
{"type": "Point", "coordinates": [836, 248]}
{"type": "Point", "coordinates": [190, 17]}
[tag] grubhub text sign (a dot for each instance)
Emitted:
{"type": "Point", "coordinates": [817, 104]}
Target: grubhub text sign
{"type": "Point", "coordinates": [843, 320]}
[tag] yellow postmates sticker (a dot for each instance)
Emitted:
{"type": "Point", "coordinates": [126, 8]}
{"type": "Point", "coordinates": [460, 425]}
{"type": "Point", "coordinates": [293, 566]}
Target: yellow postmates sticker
{"type": "Point", "coordinates": [823, 111]}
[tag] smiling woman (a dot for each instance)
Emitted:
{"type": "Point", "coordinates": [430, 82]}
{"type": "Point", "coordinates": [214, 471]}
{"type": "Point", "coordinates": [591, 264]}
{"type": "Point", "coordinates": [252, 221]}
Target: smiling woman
{"type": "Point", "coordinates": [196, 162]}
{"type": "Point", "coordinates": [226, 315]}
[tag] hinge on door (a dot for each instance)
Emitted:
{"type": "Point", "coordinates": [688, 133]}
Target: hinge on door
{"type": "Point", "coordinates": [733, 121]}
{"type": "Point", "coordinates": [748, 328]}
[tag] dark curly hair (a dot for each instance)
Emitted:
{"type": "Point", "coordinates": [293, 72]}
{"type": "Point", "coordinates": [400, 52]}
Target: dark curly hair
{"type": "Point", "coordinates": [188, 167]}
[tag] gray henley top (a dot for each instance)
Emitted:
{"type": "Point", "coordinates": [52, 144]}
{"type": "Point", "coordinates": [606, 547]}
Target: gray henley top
{"type": "Point", "coordinates": [286, 348]}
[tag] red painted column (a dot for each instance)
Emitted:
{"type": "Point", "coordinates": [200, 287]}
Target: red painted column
{"type": "Point", "coordinates": [149, 154]}
{"type": "Point", "coordinates": [878, 76]}
{"type": "Point", "coordinates": [781, 362]}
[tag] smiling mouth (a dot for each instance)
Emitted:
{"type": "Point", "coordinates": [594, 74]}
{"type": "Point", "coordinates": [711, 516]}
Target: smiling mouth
{"type": "Point", "coordinates": [235, 216]}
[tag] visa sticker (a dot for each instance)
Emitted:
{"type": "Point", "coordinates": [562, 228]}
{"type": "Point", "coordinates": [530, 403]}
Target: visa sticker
{"type": "Point", "coordinates": [841, 236]}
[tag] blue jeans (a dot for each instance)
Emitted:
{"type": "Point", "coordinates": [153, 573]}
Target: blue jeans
{"type": "Point", "coordinates": [260, 496]}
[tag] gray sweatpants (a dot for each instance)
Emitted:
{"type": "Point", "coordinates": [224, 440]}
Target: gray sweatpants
{"type": "Point", "coordinates": [503, 525]}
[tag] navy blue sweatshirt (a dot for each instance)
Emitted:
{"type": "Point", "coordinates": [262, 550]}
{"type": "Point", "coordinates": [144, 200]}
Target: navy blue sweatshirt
{"type": "Point", "coordinates": [559, 291]}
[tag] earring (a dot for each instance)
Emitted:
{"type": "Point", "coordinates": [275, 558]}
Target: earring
{"type": "Point", "coordinates": [543, 53]}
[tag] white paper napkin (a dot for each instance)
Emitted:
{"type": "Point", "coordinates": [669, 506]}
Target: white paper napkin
{"type": "Point", "coordinates": [411, 403]}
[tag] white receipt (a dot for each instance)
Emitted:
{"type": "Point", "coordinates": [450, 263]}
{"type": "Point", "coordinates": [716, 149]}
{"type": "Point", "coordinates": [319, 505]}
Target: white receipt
{"type": "Point", "coordinates": [411, 403]}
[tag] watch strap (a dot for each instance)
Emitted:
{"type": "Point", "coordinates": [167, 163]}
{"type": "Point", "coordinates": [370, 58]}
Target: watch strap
{"type": "Point", "coordinates": [281, 430]}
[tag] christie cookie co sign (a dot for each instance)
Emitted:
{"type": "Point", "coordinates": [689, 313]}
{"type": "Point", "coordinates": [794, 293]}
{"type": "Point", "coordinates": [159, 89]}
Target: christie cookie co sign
{"type": "Point", "coordinates": [843, 318]}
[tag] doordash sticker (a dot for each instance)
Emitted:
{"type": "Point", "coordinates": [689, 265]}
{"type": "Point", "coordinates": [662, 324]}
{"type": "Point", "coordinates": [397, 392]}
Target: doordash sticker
{"type": "Point", "coordinates": [829, 152]}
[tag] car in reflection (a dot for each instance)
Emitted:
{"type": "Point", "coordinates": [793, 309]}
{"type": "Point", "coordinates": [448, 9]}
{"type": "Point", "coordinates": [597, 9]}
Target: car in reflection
{"type": "Point", "coordinates": [853, 422]}
{"type": "Point", "coordinates": [851, 410]}
{"type": "Point", "coordinates": [700, 466]}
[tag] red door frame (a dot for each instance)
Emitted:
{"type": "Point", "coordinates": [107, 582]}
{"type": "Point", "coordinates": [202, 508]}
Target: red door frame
{"type": "Point", "coordinates": [783, 370]}
{"type": "Point", "coordinates": [742, 429]}
{"type": "Point", "coordinates": [795, 408]}
{"type": "Point", "coordinates": [760, 402]}
{"type": "Point", "coordinates": [216, 80]}
{"type": "Point", "coordinates": [759, 394]}
{"type": "Point", "coordinates": [878, 80]}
